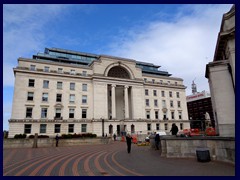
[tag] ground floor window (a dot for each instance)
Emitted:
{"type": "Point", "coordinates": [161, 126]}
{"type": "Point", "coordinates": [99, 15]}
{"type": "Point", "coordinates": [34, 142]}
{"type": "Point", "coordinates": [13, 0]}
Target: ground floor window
{"type": "Point", "coordinates": [84, 128]}
{"type": "Point", "coordinates": [166, 126]}
{"type": "Point", "coordinates": [70, 128]}
{"type": "Point", "coordinates": [27, 128]}
{"type": "Point", "coordinates": [57, 128]}
{"type": "Point", "coordinates": [43, 128]}
{"type": "Point", "coordinates": [149, 127]}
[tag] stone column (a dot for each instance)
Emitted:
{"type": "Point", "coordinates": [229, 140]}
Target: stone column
{"type": "Point", "coordinates": [126, 102]}
{"type": "Point", "coordinates": [113, 102]}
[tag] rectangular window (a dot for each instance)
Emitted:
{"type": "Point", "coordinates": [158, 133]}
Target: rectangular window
{"type": "Point", "coordinates": [72, 86]}
{"type": "Point", "coordinates": [84, 127]}
{"type": "Point", "coordinates": [44, 113]}
{"type": "Point", "coordinates": [70, 128]}
{"type": "Point", "coordinates": [155, 102]}
{"type": "Point", "coordinates": [58, 113]}
{"type": "Point", "coordinates": [153, 81]}
{"type": "Point", "coordinates": [164, 116]}
{"type": "Point", "coordinates": [155, 92]}
{"type": "Point", "coordinates": [163, 103]}
{"type": "Point", "coordinates": [179, 114]}
{"type": "Point", "coordinates": [161, 81]}
{"type": "Point", "coordinates": [149, 127]}
{"type": "Point", "coordinates": [145, 80]}
{"type": "Point", "coordinates": [45, 97]}
{"type": "Point", "coordinates": [172, 114]}
{"type": "Point", "coordinates": [45, 84]}
{"type": "Point", "coordinates": [84, 113]}
{"type": "Point", "coordinates": [84, 73]}
{"type": "Point", "coordinates": [175, 83]}
{"type": "Point", "coordinates": [72, 98]}
{"type": "Point", "coordinates": [31, 82]}
{"type": "Point", "coordinates": [84, 99]}
{"type": "Point", "coordinates": [171, 103]}
{"type": "Point", "coordinates": [147, 102]}
{"type": "Point", "coordinates": [156, 114]}
{"type": "Point", "coordinates": [181, 126]}
{"type": "Point", "coordinates": [146, 92]}
{"type": "Point", "coordinates": [170, 93]}
{"type": "Point", "coordinates": [157, 126]}
{"type": "Point", "coordinates": [46, 69]}
{"type": "Point", "coordinates": [57, 128]}
{"type": "Point", "coordinates": [72, 71]}
{"type": "Point", "coordinates": [84, 87]}
{"type": "Point", "coordinates": [177, 94]}
{"type": "Point", "coordinates": [43, 128]}
{"type": "Point", "coordinates": [32, 67]}
{"type": "Point", "coordinates": [166, 126]}
{"type": "Point", "coordinates": [163, 93]}
{"type": "Point", "coordinates": [59, 85]}
{"type": "Point", "coordinates": [30, 96]}
{"type": "Point", "coordinates": [168, 82]}
{"type": "Point", "coordinates": [71, 113]}
{"type": "Point", "coordinates": [148, 114]}
{"type": "Point", "coordinates": [27, 128]}
{"type": "Point", "coordinates": [59, 98]}
{"type": "Point", "coordinates": [29, 112]}
{"type": "Point", "coordinates": [60, 70]}
{"type": "Point", "coordinates": [179, 104]}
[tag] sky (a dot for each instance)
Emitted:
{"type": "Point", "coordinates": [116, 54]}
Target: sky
{"type": "Point", "coordinates": [181, 38]}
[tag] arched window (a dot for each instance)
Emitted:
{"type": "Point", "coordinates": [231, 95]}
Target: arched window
{"type": "Point", "coordinates": [118, 72]}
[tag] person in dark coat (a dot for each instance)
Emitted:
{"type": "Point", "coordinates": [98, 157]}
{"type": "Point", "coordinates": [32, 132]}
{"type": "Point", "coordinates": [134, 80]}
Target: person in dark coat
{"type": "Point", "coordinates": [129, 142]}
{"type": "Point", "coordinates": [114, 137]}
{"type": "Point", "coordinates": [57, 138]}
{"type": "Point", "coordinates": [157, 140]}
{"type": "Point", "coordinates": [174, 129]}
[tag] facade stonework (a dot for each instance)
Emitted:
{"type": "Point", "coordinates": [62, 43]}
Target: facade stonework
{"type": "Point", "coordinates": [221, 77]}
{"type": "Point", "coordinates": [66, 92]}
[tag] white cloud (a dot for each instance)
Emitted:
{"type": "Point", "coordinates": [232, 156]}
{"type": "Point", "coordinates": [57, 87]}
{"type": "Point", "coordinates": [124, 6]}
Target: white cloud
{"type": "Point", "coordinates": [22, 32]}
{"type": "Point", "coordinates": [183, 46]}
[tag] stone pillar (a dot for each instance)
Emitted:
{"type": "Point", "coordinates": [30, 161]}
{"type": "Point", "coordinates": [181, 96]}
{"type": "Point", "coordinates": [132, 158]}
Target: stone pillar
{"type": "Point", "coordinates": [113, 102]}
{"type": "Point", "coordinates": [126, 102]}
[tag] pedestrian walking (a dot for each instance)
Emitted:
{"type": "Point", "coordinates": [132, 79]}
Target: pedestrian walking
{"type": "Point", "coordinates": [174, 129]}
{"type": "Point", "coordinates": [129, 142]}
{"type": "Point", "coordinates": [157, 140]}
{"type": "Point", "coordinates": [57, 139]}
{"type": "Point", "coordinates": [114, 137]}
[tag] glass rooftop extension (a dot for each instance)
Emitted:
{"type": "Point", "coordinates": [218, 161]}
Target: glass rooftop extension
{"type": "Point", "coordinates": [80, 58]}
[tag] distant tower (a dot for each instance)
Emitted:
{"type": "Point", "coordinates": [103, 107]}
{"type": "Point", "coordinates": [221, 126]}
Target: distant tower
{"type": "Point", "coordinates": [194, 88]}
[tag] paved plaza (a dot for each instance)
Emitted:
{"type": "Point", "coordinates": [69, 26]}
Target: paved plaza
{"type": "Point", "coordinates": [105, 160]}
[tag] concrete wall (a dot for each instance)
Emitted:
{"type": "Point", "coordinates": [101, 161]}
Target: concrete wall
{"type": "Point", "coordinates": [50, 142]}
{"type": "Point", "coordinates": [220, 148]}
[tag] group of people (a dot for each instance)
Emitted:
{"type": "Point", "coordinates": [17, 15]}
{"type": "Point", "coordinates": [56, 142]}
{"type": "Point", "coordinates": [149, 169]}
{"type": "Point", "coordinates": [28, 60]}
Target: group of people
{"type": "Point", "coordinates": [174, 131]}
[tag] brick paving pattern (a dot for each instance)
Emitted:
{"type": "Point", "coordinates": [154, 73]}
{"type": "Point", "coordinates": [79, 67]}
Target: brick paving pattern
{"type": "Point", "coordinates": [105, 160]}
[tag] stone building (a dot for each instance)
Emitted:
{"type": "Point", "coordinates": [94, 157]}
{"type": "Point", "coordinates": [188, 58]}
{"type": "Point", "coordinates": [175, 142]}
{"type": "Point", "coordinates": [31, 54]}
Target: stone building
{"type": "Point", "coordinates": [221, 76]}
{"type": "Point", "coordinates": [65, 92]}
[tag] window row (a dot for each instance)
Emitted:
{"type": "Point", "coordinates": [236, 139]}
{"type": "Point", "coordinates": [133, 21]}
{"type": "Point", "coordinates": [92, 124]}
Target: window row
{"type": "Point", "coordinates": [160, 81]}
{"type": "Point", "coordinates": [149, 127]}
{"type": "Point", "coordinates": [147, 103]}
{"type": "Point", "coordinates": [45, 96]}
{"type": "Point", "coordinates": [164, 117]}
{"type": "Point", "coordinates": [57, 128]}
{"type": "Point", "coordinates": [162, 93]}
{"type": "Point", "coordinates": [59, 85]}
{"type": "Point", "coordinates": [58, 113]}
{"type": "Point", "coordinates": [59, 70]}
